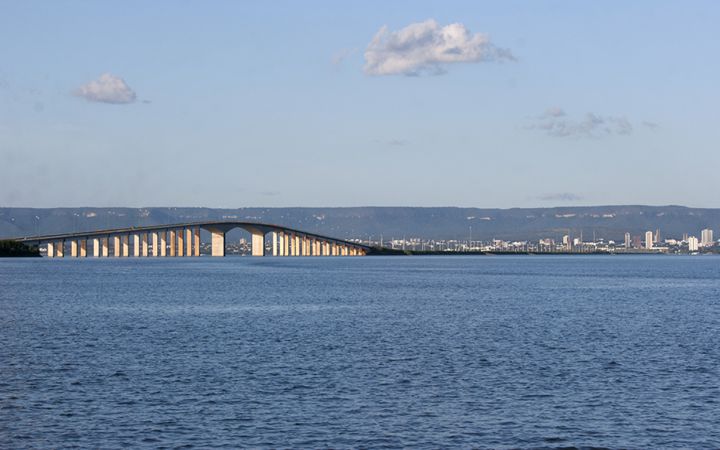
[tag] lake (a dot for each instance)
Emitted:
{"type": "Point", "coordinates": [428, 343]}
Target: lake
{"type": "Point", "coordinates": [373, 352]}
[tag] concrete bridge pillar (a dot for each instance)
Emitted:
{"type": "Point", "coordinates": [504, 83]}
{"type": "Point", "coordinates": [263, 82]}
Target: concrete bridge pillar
{"type": "Point", "coordinates": [163, 242]}
{"type": "Point", "coordinates": [126, 245]}
{"type": "Point", "coordinates": [218, 243]}
{"type": "Point", "coordinates": [196, 238]}
{"type": "Point", "coordinates": [155, 243]}
{"type": "Point", "coordinates": [83, 248]}
{"type": "Point", "coordinates": [59, 249]}
{"type": "Point", "coordinates": [188, 242]}
{"type": "Point", "coordinates": [105, 246]}
{"type": "Point", "coordinates": [286, 244]}
{"type": "Point", "coordinates": [258, 243]}
{"type": "Point", "coordinates": [180, 242]}
{"type": "Point", "coordinates": [144, 240]}
{"type": "Point", "coordinates": [172, 242]}
{"type": "Point", "coordinates": [96, 247]}
{"type": "Point", "coordinates": [136, 245]}
{"type": "Point", "coordinates": [273, 236]}
{"type": "Point", "coordinates": [74, 248]}
{"type": "Point", "coordinates": [50, 249]}
{"type": "Point", "coordinates": [116, 246]}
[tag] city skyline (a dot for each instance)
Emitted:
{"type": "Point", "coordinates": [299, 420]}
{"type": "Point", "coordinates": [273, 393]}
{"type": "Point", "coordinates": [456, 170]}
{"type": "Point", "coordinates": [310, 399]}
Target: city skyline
{"type": "Point", "coordinates": [490, 105]}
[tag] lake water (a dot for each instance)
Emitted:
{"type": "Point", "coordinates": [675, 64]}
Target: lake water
{"type": "Point", "coordinates": [489, 352]}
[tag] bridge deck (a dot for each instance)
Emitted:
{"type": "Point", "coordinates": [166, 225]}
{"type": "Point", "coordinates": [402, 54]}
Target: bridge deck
{"type": "Point", "coordinates": [183, 239]}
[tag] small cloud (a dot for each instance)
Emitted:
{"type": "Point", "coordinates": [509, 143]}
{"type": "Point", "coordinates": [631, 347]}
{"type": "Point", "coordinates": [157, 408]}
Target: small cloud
{"type": "Point", "coordinates": [651, 125]}
{"type": "Point", "coordinates": [555, 122]}
{"type": "Point", "coordinates": [426, 47]}
{"type": "Point", "coordinates": [554, 111]}
{"type": "Point", "coordinates": [341, 55]}
{"type": "Point", "coordinates": [107, 88]}
{"type": "Point", "coordinates": [560, 197]}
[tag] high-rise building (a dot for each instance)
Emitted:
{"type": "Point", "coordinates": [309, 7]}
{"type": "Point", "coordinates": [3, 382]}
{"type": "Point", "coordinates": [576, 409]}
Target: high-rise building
{"type": "Point", "coordinates": [567, 242]}
{"type": "Point", "coordinates": [706, 237]}
{"type": "Point", "coordinates": [627, 240]}
{"type": "Point", "coordinates": [692, 244]}
{"type": "Point", "coordinates": [649, 240]}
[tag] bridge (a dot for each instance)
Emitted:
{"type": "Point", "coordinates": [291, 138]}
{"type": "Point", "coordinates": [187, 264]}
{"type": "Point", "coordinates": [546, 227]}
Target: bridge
{"type": "Point", "coordinates": [184, 240]}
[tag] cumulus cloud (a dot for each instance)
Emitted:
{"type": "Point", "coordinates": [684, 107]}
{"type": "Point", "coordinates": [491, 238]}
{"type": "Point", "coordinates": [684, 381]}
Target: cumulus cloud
{"type": "Point", "coordinates": [555, 122]}
{"type": "Point", "coordinates": [561, 196]}
{"type": "Point", "coordinates": [108, 88]}
{"type": "Point", "coordinates": [426, 47]}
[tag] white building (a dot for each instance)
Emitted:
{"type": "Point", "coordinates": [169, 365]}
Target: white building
{"type": "Point", "coordinates": [692, 244]}
{"type": "Point", "coordinates": [706, 237]}
{"type": "Point", "coordinates": [649, 238]}
{"type": "Point", "coordinates": [627, 240]}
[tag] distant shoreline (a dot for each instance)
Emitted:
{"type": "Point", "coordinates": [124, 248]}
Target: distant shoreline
{"type": "Point", "coordinates": [394, 252]}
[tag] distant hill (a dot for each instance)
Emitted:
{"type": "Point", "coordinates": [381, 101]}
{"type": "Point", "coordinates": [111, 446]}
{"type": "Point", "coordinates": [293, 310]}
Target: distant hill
{"type": "Point", "coordinates": [609, 222]}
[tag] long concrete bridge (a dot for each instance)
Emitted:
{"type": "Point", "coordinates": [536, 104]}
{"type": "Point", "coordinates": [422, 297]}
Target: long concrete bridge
{"type": "Point", "coordinates": [184, 240]}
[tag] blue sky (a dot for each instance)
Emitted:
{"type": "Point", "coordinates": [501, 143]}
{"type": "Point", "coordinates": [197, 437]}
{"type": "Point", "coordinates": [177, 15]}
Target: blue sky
{"type": "Point", "coordinates": [231, 104]}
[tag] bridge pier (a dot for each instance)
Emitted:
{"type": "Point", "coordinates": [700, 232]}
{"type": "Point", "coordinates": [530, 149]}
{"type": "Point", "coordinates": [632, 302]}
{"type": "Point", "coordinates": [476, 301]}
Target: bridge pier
{"type": "Point", "coordinates": [188, 242]}
{"type": "Point", "coordinates": [136, 245]}
{"type": "Point", "coordinates": [180, 242]}
{"type": "Point", "coordinates": [196, 248]}
{"type": "Point", "coordinates": [258, 243]}
{"type": "Point", "coordinates": [163, 243]}
{"type": "Point", "coordinates": [116, 246]}
{"type": "Point", "coordinates": [218, 242]}
{"type": "Point", "coordinates": [126, 245]}
{"type": "Point", "coordinates": [172, 242]}
{"type": "Point", "coordinates": [144, 239]}
{"type": "Point", "coordinates": [155, 243]}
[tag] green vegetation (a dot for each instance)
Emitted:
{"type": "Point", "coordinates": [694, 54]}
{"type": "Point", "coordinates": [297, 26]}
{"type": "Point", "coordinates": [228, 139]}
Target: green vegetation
{"type": "Point", "coordinates": [14, 249]}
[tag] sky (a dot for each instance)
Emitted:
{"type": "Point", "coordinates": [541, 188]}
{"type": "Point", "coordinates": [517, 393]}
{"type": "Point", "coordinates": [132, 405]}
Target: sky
{"type": "Point", "coordinates": [474, 104]}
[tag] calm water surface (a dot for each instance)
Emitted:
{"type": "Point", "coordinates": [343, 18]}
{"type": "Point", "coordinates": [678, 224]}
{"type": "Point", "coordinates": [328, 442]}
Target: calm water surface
{"type": "Point", "coordinates": [490, 352]}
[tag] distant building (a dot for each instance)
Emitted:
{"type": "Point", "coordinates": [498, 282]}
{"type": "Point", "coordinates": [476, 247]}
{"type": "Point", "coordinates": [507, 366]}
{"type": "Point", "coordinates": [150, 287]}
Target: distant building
{"type": "Point", "coordinates": [627, 240]}
{"type": "Point", "coordinates": [567, 243]}
{"type": "Point", "coordinates": [649, 238]}
{"type": "Point", "coordinates": [706, 237]}
{"type": "Point", "coordinates": [692, 244]}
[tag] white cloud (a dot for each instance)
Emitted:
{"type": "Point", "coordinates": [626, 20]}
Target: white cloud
{"type": "Point", "coordinates": [107, 88]}
{"type": "Point", "coordinates": [555, 122]}
{"type": "Point", "coordinates": [428, 47]}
